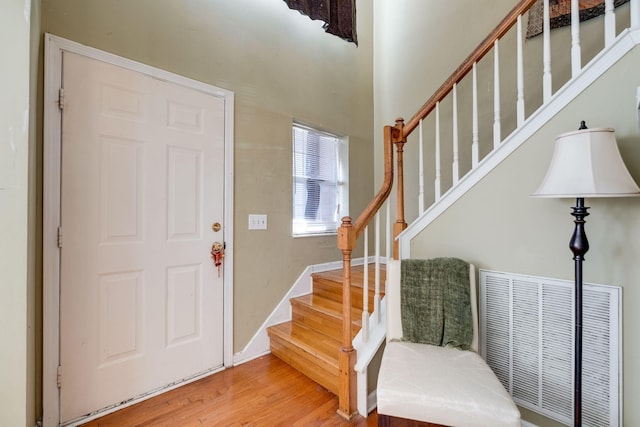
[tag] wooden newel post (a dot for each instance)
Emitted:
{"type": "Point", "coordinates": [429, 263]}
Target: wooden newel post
{"type": "Point", "coordinates": [399, 139]}
{"type": "Point", "coordinates": [347, 406]}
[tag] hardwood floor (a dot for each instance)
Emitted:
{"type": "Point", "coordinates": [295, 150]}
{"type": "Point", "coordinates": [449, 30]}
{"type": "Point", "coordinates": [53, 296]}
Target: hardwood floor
{"type": "Point", "coordinates": [263, 392]}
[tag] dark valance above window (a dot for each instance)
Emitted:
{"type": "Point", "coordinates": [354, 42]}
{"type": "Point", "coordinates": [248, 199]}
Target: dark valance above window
{"type": "Point", "coordinates": [339, 16]}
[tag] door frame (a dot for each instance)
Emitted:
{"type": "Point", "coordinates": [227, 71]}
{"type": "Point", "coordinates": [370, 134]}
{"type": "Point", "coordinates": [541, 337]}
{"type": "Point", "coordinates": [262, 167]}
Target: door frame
{"type": "Point", "coordinates": [54, 47]}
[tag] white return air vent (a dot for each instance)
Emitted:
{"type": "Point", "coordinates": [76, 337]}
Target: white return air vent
{"type": "Point", "coordinates": [526, 333]}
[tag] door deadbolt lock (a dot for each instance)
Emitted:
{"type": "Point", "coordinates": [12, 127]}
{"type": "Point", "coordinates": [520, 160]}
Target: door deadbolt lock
{"type": "Point", "coordinates": [216, 226]}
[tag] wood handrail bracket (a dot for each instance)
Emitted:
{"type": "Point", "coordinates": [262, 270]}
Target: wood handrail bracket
{"type": "Point", "coordinates": [349, 232]}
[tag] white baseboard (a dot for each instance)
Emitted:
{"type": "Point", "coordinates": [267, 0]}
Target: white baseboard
{"type": "Point", "coordinates": [372, 401]}
{"type": "Point", "coordinates": [524, 423]}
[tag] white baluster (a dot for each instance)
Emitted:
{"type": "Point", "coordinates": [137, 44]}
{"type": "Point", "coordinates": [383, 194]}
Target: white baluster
{"type": "Point", "coordinates": [421, 170]}
{"type": "Point", "coordinates": [609, 23]}
{"type": "Point", "coordinates": [497, 132]}
{"type": "Point", "coordinates": [376, 299]}
{"type": "Point", "coordinates": [576, 60]}
{"type": "Point", "coordinates": [455, 166]}
{"type": "Point", "coordinates": [635, 13]}
{"type": "Point", "coordinates": [388, 231]}
{"type": "Point", "coordinates": [438, 170]}
{"type": "Point", "coordinates": [546, 55]}
{"type": "Point", "coordinates": [520, 77]}
{"type": "Point", "coordinates": [388, 254]}
{"type": "Point", "coordinates": [474, 125]}
{"type": "Point", "coordinates": [365, 287]}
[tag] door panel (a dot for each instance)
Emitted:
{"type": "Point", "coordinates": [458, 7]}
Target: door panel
{"type": "Point", "coordinates": [141, 303]}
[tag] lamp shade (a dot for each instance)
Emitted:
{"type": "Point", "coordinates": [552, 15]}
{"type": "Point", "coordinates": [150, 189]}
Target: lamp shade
{"type": "Point", "coordinates": [587, 163]}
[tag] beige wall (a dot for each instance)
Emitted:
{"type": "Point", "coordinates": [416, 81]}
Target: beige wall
{"type": "Point", "coordinates": [281, 66]}
{"type": "Point", "coordinates": [497, 225]}
{"type": "Point", "coordinates": [15, 401]}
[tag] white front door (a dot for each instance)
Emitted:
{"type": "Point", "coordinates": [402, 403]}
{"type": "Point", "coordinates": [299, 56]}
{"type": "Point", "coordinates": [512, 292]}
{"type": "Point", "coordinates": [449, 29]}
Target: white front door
{"type": "Point", "coordinates": [142, 183]}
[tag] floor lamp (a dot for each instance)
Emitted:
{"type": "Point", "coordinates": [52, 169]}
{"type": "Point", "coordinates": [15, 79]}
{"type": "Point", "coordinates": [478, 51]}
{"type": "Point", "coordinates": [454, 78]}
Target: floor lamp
{"type": "Point", "coordinates": [585, 163]}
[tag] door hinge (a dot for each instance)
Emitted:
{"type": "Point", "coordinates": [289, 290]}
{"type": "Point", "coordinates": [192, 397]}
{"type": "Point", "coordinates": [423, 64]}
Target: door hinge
{"type": "Point", "coordinates": [59, 377]}
{"type": "Point", "coordinates": [61, 98]}
{"type": "Point", "coordinates": [60, 237]}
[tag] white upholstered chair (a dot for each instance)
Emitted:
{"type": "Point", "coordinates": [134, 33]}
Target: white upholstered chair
{"type": "Point", "coordinates": [421, 384]}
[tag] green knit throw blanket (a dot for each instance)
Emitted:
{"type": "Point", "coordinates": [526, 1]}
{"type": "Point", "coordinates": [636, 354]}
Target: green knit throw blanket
{"type": "Point", "coordinates": [435, 302]}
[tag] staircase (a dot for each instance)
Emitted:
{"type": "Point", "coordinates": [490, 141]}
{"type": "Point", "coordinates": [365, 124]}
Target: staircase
{"type": "Point", "coordinates": [311, 341]}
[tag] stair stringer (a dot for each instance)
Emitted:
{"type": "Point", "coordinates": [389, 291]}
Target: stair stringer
{"type": "Point", "coordinates": [599, 65]}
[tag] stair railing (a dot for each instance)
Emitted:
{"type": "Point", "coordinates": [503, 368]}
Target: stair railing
{"type": "Point", "coordinates": [348, 234]}
{"type": "Point", "coordinates": [397, 135]}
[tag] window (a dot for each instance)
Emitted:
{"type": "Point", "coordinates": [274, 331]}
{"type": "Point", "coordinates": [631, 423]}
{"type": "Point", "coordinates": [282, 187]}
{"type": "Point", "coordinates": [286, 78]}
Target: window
{"type": "Point", "coordinates": [320, 191]}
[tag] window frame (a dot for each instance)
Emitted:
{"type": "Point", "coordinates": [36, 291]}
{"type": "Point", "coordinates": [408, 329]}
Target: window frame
{"type": "Point", "coordinates": [301, 227]}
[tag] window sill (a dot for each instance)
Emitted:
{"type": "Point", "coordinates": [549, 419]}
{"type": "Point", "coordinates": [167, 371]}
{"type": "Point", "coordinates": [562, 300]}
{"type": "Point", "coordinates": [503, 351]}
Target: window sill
{"type": "Point", "coordinates": [298, 236]}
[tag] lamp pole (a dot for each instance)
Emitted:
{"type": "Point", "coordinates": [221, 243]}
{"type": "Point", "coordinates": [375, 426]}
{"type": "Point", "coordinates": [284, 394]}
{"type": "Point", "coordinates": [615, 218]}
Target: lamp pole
{"type": "Point", "coordinates": [585, 162]}
{"type": "Point", "coordinates": [579, 245]}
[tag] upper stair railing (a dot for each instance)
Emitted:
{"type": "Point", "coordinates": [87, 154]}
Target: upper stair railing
{"type": "Point", "coordinates": [398, 134]}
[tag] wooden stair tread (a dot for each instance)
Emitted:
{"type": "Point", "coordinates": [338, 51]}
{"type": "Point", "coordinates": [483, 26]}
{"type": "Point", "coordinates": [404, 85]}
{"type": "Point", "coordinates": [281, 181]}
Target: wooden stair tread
{"type": "Point", "coordinates": [308, 340]}
{"type": "Point", "coordinates": [327, 307]}
{"type": "Point", "coordinates": [357, 276]}
{"type": "Point", "coordinates": [313, 354]}
{"type": "Point", "coordinates": [323, 315]}
{"type": "Point", "coordinates": [326, 286]}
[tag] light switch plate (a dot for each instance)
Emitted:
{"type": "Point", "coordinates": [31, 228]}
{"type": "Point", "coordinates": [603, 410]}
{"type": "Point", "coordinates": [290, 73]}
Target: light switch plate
{"type": "Point", "coordinates": [257, 222]}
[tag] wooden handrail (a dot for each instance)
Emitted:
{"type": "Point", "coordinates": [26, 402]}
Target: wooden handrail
{"type": "Point", "coordinates": [392, 134]}
{"type": "Point", "coordinates": [483, 48]}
